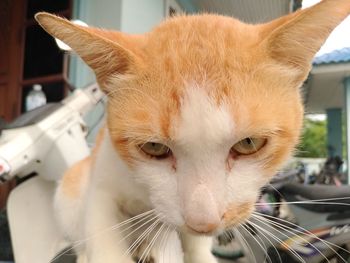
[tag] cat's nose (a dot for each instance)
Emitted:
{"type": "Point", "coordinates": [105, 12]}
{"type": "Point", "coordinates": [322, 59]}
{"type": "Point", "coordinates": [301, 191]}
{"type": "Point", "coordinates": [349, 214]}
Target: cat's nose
{"type": "Point", "coordinates": [202, 228]}
{"type": "Point", "coordinates": [201, 211]}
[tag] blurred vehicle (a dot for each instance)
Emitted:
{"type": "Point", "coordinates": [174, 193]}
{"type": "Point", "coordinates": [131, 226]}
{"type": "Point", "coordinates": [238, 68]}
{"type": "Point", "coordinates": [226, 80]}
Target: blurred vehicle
{"type": "Point", "coordinates": [330, 172]}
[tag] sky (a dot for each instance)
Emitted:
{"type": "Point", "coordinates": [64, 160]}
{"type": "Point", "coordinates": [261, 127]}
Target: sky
{"type": "Point", "coordinates": [316, 117]}
{"type": "Point", "coordinates": [339, 38]}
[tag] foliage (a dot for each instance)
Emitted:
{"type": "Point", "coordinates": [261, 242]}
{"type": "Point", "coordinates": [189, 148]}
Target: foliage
{"type": "Point", "coordinates": [314, 139]}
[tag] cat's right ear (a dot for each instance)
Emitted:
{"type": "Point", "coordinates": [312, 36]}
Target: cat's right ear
{"type": "Point", "coordinates": [293, 40]}
{"type": "Point", "coordinates": [107, 57]}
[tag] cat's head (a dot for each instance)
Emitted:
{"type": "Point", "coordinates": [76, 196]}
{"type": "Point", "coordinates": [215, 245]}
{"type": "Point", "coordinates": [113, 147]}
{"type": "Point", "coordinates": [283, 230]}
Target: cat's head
{"type": "Point", "coordinates": [204, 109]}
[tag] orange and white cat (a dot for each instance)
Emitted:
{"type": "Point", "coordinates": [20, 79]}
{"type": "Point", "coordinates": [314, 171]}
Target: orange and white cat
{"type": "Point", "coordinates": [202, 111]}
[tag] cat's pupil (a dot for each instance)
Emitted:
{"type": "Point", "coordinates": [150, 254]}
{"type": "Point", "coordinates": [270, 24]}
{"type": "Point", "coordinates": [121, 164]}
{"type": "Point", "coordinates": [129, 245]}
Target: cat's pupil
{"type": "Point", "coordinates": [248, 141]}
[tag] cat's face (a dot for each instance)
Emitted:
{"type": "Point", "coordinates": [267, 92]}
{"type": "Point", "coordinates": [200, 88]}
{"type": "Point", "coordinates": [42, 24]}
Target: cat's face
{"type": "Point", "coordinates": [204, 109]}
{"type": "Point", "coordinates": [204, 163]}
{"type": "Point", "coordinates": [205, 130]}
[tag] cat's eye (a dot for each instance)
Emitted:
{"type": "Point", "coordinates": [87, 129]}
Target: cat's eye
{"type": "Point", "coordinates": [249, 145]}
{"type": "Point", "coordinates": [157, 150]}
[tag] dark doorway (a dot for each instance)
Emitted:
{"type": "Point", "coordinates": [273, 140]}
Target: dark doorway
{"type": "Point", "coordinates": [28, 55]}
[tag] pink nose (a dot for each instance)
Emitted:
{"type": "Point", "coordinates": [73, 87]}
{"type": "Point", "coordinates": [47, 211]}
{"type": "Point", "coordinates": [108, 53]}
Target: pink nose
{"type": "Point", "coordinates": [201, 212]}
{"type": "Point", "coordinates": [202, 228]}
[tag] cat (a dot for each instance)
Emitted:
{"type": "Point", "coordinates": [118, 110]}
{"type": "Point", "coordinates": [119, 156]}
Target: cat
{"type": "Point", "coordinates": [202, 111]}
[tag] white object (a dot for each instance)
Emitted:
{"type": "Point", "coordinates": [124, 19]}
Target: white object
{"type": "Point", "coordinates": [35, 98]}
{"type": "Point", "coordinates": [48, 148]}
{"type": "Point", "coordinates": [34, 233]}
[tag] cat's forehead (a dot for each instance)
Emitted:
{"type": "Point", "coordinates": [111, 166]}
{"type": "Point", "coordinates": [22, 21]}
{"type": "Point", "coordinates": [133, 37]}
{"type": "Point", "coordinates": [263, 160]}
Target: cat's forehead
{"type": "Point", "coordinates": [196, 28]}
{"type": "Point", "coordinates": [202, 119]}
{"type": "Point", "coordinates": [203, 79]}
{"type": "Point", "coordinates": [205, 43]}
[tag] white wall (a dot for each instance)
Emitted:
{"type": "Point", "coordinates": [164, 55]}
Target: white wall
{"type": "Point", "coordinates": [141, 16]}
{"type": "Point", "coordinates": [102, 13]}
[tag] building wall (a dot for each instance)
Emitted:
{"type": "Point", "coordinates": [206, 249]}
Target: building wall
{"type": "Point", "coordinates": [188, 6]}
{"type": "Point", "coordinates": [141, 16]}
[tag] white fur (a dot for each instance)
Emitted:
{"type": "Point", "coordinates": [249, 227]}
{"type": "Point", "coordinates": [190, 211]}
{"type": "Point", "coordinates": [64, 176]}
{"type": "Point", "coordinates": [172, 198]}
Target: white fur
{"type": "Point", "coordinates": [68, 212]}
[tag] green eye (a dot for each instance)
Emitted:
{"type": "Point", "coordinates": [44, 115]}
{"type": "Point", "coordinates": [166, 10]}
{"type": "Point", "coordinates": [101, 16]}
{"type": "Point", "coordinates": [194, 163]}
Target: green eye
{"type": "Point", "coordinates": [249, 145]}
{"type": "Point", "coordinates": [157, 150]}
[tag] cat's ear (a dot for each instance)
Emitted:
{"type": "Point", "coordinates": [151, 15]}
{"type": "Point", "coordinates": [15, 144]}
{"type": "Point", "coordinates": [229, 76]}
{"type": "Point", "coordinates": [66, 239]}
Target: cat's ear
{"type": "Point", "coordinates": [294, 40]}
{"type": "Point", "coordinates": [108, 53]}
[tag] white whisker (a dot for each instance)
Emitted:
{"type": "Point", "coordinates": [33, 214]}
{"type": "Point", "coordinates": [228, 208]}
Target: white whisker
{"type": "Point", "coordinates": [265, 250]}
{"type": "Point", "coordinates": [163, 243]}
{"type": "Point", "coordinates": [263, 244]}
{"type": "Point", "coordinates": [315, 201]}
{"type": "Point", "coordinates": [274, 188]}
{"type": "Point", "coordinates": [140, 239]}
{"type": "Point", "coordinates": [268, 224]}
{"type": "Point", "coordinates": [279, 241]}
{"type": "Point", "coordinates": [240, 236]}
{"type": "Point", "coordinates": [111, 228]}
{"type": "Point", "coordinates": [150, 245]}
{"type": "Point", "coordinates": [307, 232]}
{"type": "Point", "coordinates": [139, 227]}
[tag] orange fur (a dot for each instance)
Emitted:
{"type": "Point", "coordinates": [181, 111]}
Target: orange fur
{"type": "Point", "coordinates": [236, 214]}
{"type": "Point", "coordinates": [224, 68]}
{"type": "Point", "coordinates": [98, 141]}
{"type": "Point", "coordinates": [75, 177]}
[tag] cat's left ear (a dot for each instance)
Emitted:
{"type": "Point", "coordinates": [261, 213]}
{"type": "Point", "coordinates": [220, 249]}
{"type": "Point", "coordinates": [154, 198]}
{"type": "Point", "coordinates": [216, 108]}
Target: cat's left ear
{"type": "Point", "coordinates": [108, 53]}
{"type": "Point", "coordinates": [294, 40]}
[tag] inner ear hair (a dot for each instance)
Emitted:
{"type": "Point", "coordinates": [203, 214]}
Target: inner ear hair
{"type": "Point", "coordinates": [104, 56]}
{"type": "Point", "coordinates": [294, 40]}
